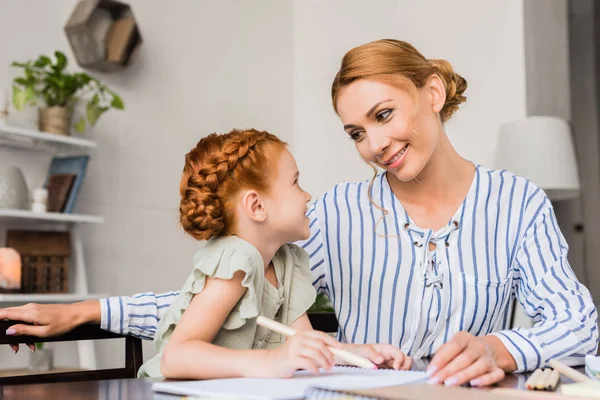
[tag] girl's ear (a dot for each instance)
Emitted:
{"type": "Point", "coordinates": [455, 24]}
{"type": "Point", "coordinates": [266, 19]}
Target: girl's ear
{"type": "Point", "coordinates": [253, 206]}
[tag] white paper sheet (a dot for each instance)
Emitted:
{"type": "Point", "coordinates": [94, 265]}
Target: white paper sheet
{"type": "Point", "coordinates": [342, 378]}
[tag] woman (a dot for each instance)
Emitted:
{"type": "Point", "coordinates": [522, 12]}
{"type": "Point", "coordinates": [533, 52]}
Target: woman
{"type": "Point", "coordinates": [429, 253]}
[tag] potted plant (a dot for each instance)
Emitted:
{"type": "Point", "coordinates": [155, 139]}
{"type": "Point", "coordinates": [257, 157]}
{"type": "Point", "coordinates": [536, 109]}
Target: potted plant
{"type": "Point", "coordinates": [42, 359]}
{"type": "Point", "coordinates": [46, 83]}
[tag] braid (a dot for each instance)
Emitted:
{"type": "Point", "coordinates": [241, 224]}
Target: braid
{"type": "Point", "coordinates": [216, 169]}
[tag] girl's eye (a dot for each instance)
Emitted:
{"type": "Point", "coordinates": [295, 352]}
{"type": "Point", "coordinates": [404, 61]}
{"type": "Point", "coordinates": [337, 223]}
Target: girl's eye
{"type": "Point", "coordinates": [356, 135]}
{"type": "Point", "coordinates": [383, 115]}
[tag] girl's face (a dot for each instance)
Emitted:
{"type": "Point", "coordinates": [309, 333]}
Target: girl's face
{"type": "Point", "coordinates": [286, 203]}
{"type": "Point", "coordinates": [381, 120]}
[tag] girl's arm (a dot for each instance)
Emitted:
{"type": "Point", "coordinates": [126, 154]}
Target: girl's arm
{"type": "Point", "coordinates": [384, 355]}
{"type": "Point", "coordinates": [189, 353]}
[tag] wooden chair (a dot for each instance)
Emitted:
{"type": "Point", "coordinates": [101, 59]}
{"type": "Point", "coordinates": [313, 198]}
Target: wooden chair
{"type": "Point", "coordinates": [326, 321]}
{"type": "Point", "coordinates": [133, 355]}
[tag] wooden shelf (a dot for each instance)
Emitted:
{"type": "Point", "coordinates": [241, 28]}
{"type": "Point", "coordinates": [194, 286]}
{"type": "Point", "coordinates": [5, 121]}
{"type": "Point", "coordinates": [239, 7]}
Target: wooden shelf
{"type": "Point", "coordinates": [12, 214]}
{"type": "Point", "coordinates": [31, 139]}
{"type": "Point", "coordinates": [47, 298]}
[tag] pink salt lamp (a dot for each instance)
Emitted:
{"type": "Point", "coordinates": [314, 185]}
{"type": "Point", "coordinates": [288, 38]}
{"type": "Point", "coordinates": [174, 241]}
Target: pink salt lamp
{"type": "Point", "coordinates": [10, 268]}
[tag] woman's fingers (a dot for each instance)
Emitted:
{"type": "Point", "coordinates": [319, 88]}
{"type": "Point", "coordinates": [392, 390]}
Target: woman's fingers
{"type": "Point", "coordinates": [448, 352]}
{"type": "Point", "coordinates": [494, 376]}
{"type": "Point", "coordinates": [466, 358]}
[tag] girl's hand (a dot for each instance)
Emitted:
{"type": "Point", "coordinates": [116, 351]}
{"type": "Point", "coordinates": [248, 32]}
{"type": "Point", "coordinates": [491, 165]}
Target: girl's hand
{"type": "Point", "coordinates": [307, 350]}
{"type": "Point", "coordinates": [382, 355]}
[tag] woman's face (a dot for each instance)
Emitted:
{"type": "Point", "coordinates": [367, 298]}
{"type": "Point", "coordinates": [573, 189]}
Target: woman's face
{"type": "Point", "coordinates": [379, 118]}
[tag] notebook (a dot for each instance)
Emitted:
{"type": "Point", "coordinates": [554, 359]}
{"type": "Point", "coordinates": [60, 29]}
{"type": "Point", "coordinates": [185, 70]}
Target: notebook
{"type": "Point", "coordinates": [339, 378]}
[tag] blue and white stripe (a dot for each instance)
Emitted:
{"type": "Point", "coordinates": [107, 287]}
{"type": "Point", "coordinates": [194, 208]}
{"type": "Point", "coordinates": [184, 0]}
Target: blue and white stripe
{"type": "Point", "coordinates": [387, 284]}
{"type": "Point", "coordinates": [506, 243]}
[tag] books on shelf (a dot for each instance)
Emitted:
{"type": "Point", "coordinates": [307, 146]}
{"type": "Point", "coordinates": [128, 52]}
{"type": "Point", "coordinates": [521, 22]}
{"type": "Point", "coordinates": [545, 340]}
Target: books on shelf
{"type": "Point", "coordinates": [64, 181]}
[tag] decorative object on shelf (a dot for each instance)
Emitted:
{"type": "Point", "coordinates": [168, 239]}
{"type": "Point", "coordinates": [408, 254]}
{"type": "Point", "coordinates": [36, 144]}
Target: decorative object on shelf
{"type": "Point", "coordinates": [13, 189]}
{"type": "Point", "coordinates": [10, 270]}
{"type": "Point", "coordinates": [72, 165]}
{"type": "Point", "coordinates": [46, 81]}
{"type": "Point", "coordinates": [41, 360]}
{"type": "Point", "coordinates": [39, 200]}
{"type": "Point", "coordinates": [44, 259]}
{"type": "Point", "coordinates": [3, 107]}
{"type": "Point", "coordinates": [103, 34]}
{"type": "Point", "coordinates": [59, 187]}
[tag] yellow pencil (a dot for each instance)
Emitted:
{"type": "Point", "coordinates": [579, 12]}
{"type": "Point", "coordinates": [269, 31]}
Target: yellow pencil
{"type": "Point", "coordinates": [345, 355]}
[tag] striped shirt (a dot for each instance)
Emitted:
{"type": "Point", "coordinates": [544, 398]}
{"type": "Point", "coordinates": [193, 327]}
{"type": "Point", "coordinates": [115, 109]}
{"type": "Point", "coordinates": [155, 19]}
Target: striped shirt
{"type": "Point", "coordinates": [394, 282]}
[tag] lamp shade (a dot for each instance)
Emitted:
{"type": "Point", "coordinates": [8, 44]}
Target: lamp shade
{"type": "Point", "coordinates": [541, 150]}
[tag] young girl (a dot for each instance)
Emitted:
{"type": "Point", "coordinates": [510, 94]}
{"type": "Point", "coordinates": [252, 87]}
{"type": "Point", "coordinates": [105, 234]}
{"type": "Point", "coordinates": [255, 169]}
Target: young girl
{"type": "Point", "coordinates": [240, 192]}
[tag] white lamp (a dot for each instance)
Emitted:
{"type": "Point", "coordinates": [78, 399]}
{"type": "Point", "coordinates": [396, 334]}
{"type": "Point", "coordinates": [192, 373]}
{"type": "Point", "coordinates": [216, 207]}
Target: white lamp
{"type": "Point", "coordinates": [541, 150]}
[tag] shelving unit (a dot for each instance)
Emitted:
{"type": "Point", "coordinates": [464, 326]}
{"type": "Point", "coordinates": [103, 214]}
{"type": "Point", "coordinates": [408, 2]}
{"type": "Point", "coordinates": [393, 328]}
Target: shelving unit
{"type": "Point", "coordinates": [14, 137]}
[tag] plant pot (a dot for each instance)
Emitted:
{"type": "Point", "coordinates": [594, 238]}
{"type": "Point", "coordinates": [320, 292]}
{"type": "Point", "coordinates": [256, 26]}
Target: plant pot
{"type": "Point", "coordinates": [55, 120]}
{"type": "Point", "coordinates": [41, 360]}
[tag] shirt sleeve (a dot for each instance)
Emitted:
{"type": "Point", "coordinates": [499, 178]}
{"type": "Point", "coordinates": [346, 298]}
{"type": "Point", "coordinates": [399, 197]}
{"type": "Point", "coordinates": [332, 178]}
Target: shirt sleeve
{"type": "Point", "coordinates": [316, 253]}
{"type": "Point", "coordinates": [136, 315]}
{"type": "Point", "coordinates": [561, 307]}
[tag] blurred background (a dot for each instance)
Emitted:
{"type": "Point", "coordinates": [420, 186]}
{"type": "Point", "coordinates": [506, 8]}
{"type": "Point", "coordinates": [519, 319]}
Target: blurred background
{"type": "Point", "coordinates": [203, 66]}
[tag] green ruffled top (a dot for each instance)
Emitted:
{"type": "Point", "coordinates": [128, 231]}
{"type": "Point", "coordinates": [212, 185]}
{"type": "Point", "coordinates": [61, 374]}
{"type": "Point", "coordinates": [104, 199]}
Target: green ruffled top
{"type": "Point", "coordinates": [221, 258]}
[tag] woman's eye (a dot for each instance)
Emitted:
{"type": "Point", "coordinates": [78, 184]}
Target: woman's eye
{"type": "Point", "coordinates": [383, 115]}
{"type": "Point", "coordinates": [356, 135]}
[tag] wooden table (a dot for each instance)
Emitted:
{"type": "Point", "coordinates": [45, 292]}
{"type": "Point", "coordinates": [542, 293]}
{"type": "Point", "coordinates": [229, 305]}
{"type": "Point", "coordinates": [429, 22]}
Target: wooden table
{"type": "Point", "coordinates": [140, 389]}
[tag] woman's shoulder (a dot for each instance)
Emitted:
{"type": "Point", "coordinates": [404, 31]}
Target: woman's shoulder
{"type": "Point", "coordinates": [356, 190]}
{"type": "Point", "coordinates": [509, 188]}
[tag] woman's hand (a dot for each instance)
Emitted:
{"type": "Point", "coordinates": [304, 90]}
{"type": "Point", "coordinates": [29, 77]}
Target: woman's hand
{"type": "Point", "coordinates": [307, 349]}
{"type": "Point", "coordinates": [480, 361]}
{"type": "Point", "coordinates": [49, 319]}
{"type": "Point", "coordinates": [382, 355]}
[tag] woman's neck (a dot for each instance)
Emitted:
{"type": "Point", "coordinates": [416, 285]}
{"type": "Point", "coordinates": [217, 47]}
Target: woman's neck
{"type": "Point", "coordinates": [442, 179]}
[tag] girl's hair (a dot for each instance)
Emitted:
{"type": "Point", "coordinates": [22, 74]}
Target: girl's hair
{"type": "Point", "coordinates": [399, 64]}
{"type": "Point", "coordinates": [216, 170]}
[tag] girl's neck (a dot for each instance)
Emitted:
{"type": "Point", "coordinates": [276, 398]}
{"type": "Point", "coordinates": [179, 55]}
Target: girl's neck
{"type": "Point", "coordinates": [267, 248]}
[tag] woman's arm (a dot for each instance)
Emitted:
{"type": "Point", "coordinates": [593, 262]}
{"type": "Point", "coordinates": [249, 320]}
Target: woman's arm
{"type": "Point", "coordinates": [137, 315]}
{"type": "Point", "coordinates": [561, 307]}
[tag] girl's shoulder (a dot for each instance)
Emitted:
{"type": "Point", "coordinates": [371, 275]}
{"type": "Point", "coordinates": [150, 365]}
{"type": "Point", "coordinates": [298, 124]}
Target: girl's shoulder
{"type": "Point", "coordinates": [222, 257]}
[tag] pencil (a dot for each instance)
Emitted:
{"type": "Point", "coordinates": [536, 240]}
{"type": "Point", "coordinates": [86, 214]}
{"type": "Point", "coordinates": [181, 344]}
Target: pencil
{"type": "Point", "coordinates": [533, 379]}
{"type": "Point", "coordinates": [553, 381]}
{"type": "Point", "coordinates": [569, 372]}
{"type": "Point", "coordinates": [345, 355]}
{"type": "Point", "coordinates": [542, 383]}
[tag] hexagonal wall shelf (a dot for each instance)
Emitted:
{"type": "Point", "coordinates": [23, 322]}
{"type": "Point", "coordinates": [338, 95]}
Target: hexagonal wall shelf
{"type": "Point", "coordinates": [103, 34]}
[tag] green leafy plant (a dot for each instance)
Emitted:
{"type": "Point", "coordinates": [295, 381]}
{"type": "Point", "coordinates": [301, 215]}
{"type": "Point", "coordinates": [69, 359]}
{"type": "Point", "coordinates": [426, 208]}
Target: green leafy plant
{"type": "Point", "coordinates": [321, 304]}
{"type": "Point", "coordinates": [47, 80]}
{"type": "Point", "coordinates": [39, 345]}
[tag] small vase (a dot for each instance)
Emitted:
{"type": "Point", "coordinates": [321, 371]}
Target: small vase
{"type": "Point", "coordinates": [55, 120]}
{"type": "Point", "coordinates": [13, 189]}
{"type": "Point", "coordinates": [41, 360]}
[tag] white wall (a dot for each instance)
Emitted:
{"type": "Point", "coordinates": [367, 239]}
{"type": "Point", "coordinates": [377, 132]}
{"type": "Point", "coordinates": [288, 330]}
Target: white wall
{"type": "Point", "coordinates": [482, 39]}
{"type": "Point", "coordinates": [203, 67]}
{"type": "Point", "coordinates": [209, 66]}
